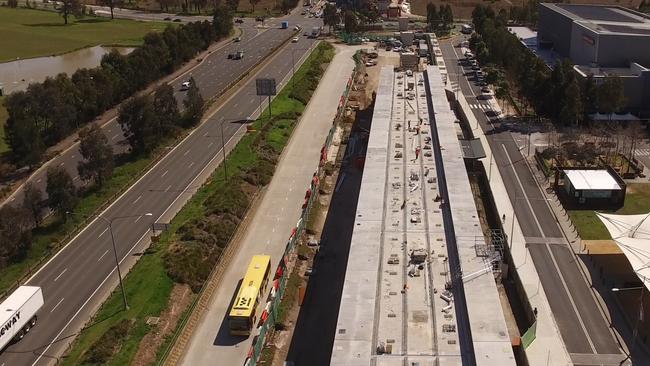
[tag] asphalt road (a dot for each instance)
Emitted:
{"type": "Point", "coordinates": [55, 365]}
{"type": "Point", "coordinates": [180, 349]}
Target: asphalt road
{"type": "Point", "coordinates": [582, 325]}
{"type": "Point", "coordinates": [212, 75]}
{"type": "Point", "coordinates": [76, 280]}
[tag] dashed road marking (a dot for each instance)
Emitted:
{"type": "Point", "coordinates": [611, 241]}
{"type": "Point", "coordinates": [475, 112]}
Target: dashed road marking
{"type": "Point", "coordinates": [137, 199]}
{"type": "Point", "coordinates": [187, 152]}
{"type": "Point", "coordinates": [164, 174]}
{"type": "Point", "coordinates": [115, 136]}
{"type": "Point", "coordinates": [57, 305]}
{"type": "Point", "coordinates": [100, 235]}
{"type": "Point", "coordinates": [61, 274]}
{"type": "Point", "coordinates": [102, 256]}
{"type": "Point", "coordinates": [189, 166]}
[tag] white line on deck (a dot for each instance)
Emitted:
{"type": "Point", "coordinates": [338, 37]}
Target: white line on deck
{"type": "Point", "coordinates": [59, 276]}
{"type": "Point", "coordinates": [102, 256]}
{"type": "Point", "coordinates": [100, 235]}
{"type": "Point", "coordinates": [57, 305]}
{"type": "Point", "coordinates": [137, 199]}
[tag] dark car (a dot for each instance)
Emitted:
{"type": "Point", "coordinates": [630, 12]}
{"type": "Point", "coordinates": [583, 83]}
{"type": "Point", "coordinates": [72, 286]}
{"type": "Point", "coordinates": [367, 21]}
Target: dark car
{"type": "Point", "coordinates": [239, 20]}
{"type": "Point", "coordinates": [259, 19]}
{"type": "Point", "coordinates": [177, 20]}
{"type": "Point", "coordinates": [168, 18]}
{"type": "Point", "coordinates": [231, 55]}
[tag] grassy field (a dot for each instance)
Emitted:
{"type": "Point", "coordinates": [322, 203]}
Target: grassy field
{"type": "Point", "coordinates": [637, 201]}
{"type": "Point", "coordinates": [148, 286]}
{"type": "Point", "coordinates": [31, 33]}
{"type": "Point", "coordinates": [3, 119]}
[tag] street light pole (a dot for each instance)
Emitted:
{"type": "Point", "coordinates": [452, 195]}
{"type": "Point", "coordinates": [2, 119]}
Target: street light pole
{"type": "Point", "coordinates": [117, 264]}
{"type": "Point", "coordinates": [223, 150]}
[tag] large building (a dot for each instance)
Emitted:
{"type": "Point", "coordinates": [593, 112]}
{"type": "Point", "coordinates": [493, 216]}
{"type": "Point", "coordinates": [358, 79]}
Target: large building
{"type": "Point", "coordinates": [607, 36]}
{"type": "Point", "coordinates": [602, 41]}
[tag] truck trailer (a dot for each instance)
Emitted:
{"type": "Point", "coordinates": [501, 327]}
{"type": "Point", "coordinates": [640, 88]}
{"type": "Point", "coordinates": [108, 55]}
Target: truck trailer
{"type": "Point", "coordinates": [18, 313]}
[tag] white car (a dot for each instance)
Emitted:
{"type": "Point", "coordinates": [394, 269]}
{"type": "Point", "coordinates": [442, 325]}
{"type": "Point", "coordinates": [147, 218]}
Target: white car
{"type": "Point", "coordinates": [185, 86]}
{"type": "Point", "coordinates": [294, 40]}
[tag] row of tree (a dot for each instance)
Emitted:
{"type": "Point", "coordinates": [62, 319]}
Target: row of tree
{"type": "Point", "coordinates": [145, 120]}
{"type": "Point", "coordinates": [439, 20]}
{"type": "Point", "coordinates": [50, 111]}
{"type": "Point", "coordinates": [558, 93]}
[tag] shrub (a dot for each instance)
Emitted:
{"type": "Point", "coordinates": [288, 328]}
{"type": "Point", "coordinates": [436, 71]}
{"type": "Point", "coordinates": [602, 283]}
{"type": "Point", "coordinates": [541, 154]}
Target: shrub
{"type": "Point", "coordinates": [108, 344]}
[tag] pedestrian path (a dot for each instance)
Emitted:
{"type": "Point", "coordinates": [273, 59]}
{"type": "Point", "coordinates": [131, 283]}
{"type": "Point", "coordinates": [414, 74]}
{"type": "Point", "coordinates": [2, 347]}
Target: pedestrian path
{"type": "Point", "coordinates": [485, 107]}
{"type": "Point", "coordinates": [642, 152]}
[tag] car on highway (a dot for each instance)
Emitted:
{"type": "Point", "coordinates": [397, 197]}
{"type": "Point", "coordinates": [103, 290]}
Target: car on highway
{"type": "Point", "coordinates": [486, 90]}
{"type": "Point", "coordinates": [476, 67]}
{"type": "Point", "coordinates": [239, 20]}
{"type": "Point", "coordinates": [306, 34]}
{"type": "Point", "coordinates": [397, 49]}
{"type": "Point", "coordinates": [177, 20]}
{"type": "Point", "coordinates": [238, 55]}
{"type": "Point", "coordinates": [371, 63]}
{"type": "Point", "coordinates": [297, 27]}
{"type": "Point", "coordinates": [167, 18]}
{"type": "Point", "coordinates": [186, 85]}
{"type": "Point", "coordinates": [237, 39]}
{"type": "Point", "coordinates": [481, 83]}
{"type": "Point", "coordinates": [294, 40]}
{"type": "Point", "coordinates": [259, 19]}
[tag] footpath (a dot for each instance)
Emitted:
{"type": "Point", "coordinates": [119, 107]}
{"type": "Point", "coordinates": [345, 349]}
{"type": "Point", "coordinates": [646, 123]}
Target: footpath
{"type": "Point", "coordinates": [275, 216]}
{"type": "Point", "coordinates": [547, 348]}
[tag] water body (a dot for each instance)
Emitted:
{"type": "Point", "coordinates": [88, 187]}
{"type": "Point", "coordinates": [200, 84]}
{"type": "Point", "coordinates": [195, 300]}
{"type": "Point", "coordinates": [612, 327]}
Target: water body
{"type": "Point", "coordinates": [17, 75]}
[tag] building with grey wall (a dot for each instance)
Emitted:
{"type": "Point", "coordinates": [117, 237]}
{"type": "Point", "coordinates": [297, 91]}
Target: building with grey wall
{"type": "Point", "coordinates": [607, 36]}
{"type": "Point", "coordinates": [602, 41]}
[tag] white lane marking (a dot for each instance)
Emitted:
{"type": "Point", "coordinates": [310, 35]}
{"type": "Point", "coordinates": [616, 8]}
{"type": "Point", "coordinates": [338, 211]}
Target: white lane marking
{"type": "Point", "coordinates": [100, 235]}
{"type": "Point", "coordinates": [73, 156]}
{"type": "Point", "coordinates": [13, 199]}
{"type": "Point", "coordinates": [541, 232]}
{"type": "Point", "coordinates": [39, 180]}
{"type": "Point", "coordinates": [212, 143]}
{"type": "Point", "coordinates": [137, 199]}
{"type": "Point", "coordinates": [74, 316]}
{"type": "Point", "coordinates": [57, 305]}
{"type": "Point", "coordinates": [75, 178]}
{"type": "Point", "coordinates": [164, 174]}
{"type": "Point", "coordinates": [61, 274]}
{"type": "Point", "coordinates": [167, 190]}
{"type": "Point", "coordinates": [138, 219]}
{"type": "Point", "coordinates": [189, 166]}
{"type": "Point", "coordinates": [102, 256]}
{"type": "Point", "coordinates": [62, 164]}
{"type": "Point", "coordinates": [188, 150]}
{"type": "Point", "coordinates": [115, 136]}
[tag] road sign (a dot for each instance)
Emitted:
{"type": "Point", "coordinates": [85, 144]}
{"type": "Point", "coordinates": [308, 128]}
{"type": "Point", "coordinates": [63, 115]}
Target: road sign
{"type": "Point", "coordinates": [265, 87]}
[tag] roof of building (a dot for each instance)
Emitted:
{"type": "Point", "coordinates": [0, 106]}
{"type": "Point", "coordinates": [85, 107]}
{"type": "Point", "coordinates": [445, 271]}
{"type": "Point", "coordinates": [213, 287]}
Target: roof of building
{"type": "Point", "coordinates": [591, 179]}
{"type": "Point", "coordinates": [605, 19]}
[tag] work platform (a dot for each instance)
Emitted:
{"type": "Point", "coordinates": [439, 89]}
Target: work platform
{"type": "Point", "coordinates": [397, 306]}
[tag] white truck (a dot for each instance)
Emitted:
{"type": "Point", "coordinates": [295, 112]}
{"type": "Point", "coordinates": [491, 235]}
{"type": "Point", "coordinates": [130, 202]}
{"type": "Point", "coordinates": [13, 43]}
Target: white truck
{"type": "Point", "coordinates": [18, 313]}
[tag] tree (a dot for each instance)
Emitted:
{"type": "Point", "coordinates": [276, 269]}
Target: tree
{"type": "Point", "coordinates": [33, 202]}
{"type": "Point", "coordinates": [590, 94]}
{"type": "Point", "coordinates": [194, 105]}
{"type": "Point", "coordinates": [61, 192]}
{"type": "Point", "coordinates": [111, 4]}
{"type": "Point", "coordinates": [287, 5]}
{"type": "Point", "coordinates": [12, 3]}
{"type": "Point", "coordinates": [253, 3]}
{"type": "Point", "coordinates": [15, 233]}
{"type": "Point", "coordinates": [137, 119]}
{"type": "Point", "coordinates": [433, 19]}
{"type": "Point", "coordinates": [232, 5]}
{"type": "Point", "coordinates": [611, 96]}
{"type": "Point", "coordinates": [97, 163]}
{"type": "Point", "coordinates": [351, 23]}
{"type": "Point", "coordinates": [572, 110]}
{"type": "Point", "coordinates": [222, 20]}
{"type": "Point", "coordinates": [330, 16]}
{"type": "Point", "coordinates": [69, 7]}
{"type": "Point", "coordinates": [166, 108]}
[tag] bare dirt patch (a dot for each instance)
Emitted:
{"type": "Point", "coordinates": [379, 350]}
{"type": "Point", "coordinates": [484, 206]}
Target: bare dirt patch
{"type": "Point", "coordinates": [179, 300]}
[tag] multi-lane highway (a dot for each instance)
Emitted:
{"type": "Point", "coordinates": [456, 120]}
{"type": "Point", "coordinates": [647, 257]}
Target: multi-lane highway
{"type": "Point", "coordinates": [82, 274]}
{"type": "Point", "coordinates": [584, 329]}
{"type": "Point", "coordinates": [213, 74]}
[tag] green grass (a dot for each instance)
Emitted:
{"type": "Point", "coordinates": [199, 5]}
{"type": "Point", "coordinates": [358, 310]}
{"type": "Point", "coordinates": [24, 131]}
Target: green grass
{"type": "Point", "coordinates": [148, 285]}
{"type": "Point", "coordinates": [30, 33]}
{"type": "Point", "coordinates": [3, 118]}
{"type": "Point", "coordinates": [637, 201]}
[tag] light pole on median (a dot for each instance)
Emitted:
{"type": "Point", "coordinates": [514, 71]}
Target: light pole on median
{"type": "Point", "coordinates": [635, 331]}
{"type": "Point", "coordinates": [117, 262]}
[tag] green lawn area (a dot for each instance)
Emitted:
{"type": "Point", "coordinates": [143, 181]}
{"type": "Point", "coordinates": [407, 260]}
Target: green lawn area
{"type": "Point", "coordinates": [637, 201]}
{"type": "Point", "coordinates": [3, 119]}
{"type": "Point", "coordinates": [31, 33]}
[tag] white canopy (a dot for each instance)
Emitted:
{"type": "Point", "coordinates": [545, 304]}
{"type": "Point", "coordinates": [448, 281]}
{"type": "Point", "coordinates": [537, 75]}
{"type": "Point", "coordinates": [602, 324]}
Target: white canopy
{"type": "Point", "coordinates": [632, 234]}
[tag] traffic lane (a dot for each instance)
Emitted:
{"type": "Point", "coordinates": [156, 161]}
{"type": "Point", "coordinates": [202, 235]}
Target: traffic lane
{"type": "Point", "coordinates": [566, 318]}
{"type": "Point", "coordinates": [596, 325]}
{"type": "Point", "coordinates": [122, 249]}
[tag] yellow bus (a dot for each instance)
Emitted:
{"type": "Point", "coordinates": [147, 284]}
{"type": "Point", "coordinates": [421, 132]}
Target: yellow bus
{"type": "Point", "coordinates": [243, 314]}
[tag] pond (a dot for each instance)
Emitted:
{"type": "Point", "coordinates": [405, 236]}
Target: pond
{"type": "Point", "coordinates": [17, 75]}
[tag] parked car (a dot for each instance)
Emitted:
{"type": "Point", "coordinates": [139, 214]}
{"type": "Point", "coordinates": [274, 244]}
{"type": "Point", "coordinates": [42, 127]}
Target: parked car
{"type": "Point", "coordinates": [237, 39]}
{"type": "Point", "coordinates": [168, 18]}
{"type": "Point", "coordinates": [239, 20]}
{"type": "Point", "coordinates": [238, 55]}
{"type": "Point", "coordinates": [294, 40]}
{"type": "Point", "coordinates": [397, 49]}
{"type": "Point", "coordinates": [185, 85]}
{"type": "Point", "coordinates": [177, 20]}
{"type": "Point", "coordinates": [259, 19]}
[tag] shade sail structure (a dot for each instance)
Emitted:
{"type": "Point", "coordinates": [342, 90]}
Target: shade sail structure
{"type": "Point", "coordinates": [632, 234]}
